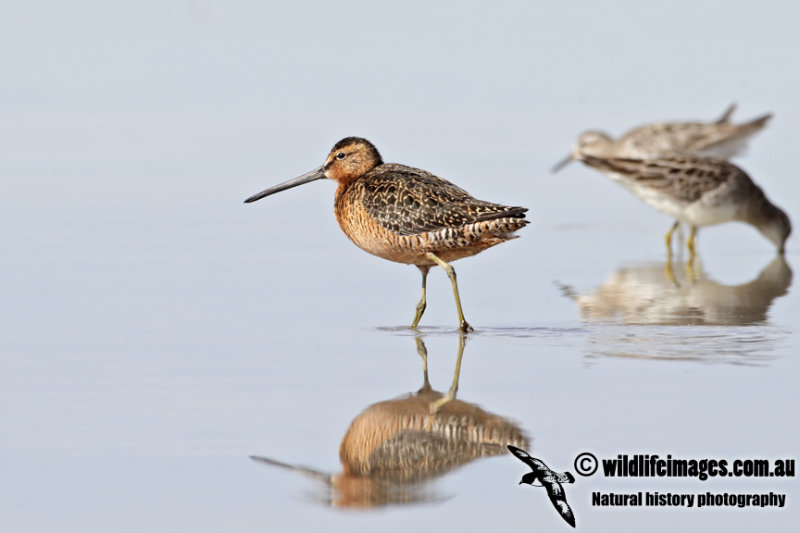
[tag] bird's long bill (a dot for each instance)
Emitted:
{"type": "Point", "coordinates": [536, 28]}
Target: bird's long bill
{"type": "Point", "coordinates": [316, 174]}
{"type": "Point", "coordinates": [561, 164]}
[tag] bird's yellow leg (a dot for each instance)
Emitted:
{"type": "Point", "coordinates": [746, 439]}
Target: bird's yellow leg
{"type": "Point", "coordinates": [690, 244]}
{"type": "Point", "coordinates": [692, 254]}
{"type": "Point", "coordinates": [668, 238]}
{"type": "Point", "coordinates": [690, 271]}
{"type": "Point", "coordinates": [451, 394]}
{"type": "Point", "coordinates": [422, 302]}
{"type": "Point", "coordinates": [462, 324]}
{"type": "Point", "coordinates": [423, 352]}
{"type": "Point", "coordinates": [668, 266]}
{"type": "Point", "coordinates": [670, 273]}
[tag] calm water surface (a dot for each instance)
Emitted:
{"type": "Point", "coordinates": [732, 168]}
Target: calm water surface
{"type": "Point", "coordinates": [135, 386]}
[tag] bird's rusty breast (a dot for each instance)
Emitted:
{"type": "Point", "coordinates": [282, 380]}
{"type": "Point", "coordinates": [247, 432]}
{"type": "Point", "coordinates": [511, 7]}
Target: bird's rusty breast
{"type": "Point", "coordinates": [402, 440]}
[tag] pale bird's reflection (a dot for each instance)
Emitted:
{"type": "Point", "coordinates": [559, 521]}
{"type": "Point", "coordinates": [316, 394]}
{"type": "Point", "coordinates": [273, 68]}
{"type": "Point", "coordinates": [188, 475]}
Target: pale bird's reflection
{"type": "Point", "coordinates": [641, 312]}
{"type": "Point", "coordinates": [646, 294]}
{"type": "Point", "coordinates": [395, 448]}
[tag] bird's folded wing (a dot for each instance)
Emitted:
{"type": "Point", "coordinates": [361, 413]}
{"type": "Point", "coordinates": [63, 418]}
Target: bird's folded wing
{"type": "Point", "coordinates": [411, 201]}
{"type": "Point", "coordinates": [684, 178]}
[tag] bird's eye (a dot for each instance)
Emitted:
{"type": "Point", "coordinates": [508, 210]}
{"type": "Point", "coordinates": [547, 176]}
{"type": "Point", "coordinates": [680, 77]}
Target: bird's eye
{"type": "Point", "coordinates": [340, 155]}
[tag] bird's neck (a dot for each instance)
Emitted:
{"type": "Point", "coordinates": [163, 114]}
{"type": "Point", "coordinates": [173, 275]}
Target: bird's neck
{"type": "Point", "coordinates": [765, 217]}
{"type": "Point", "coordinates": [757, 210]}
{"type": "Point", "coordinates": [342, 187]}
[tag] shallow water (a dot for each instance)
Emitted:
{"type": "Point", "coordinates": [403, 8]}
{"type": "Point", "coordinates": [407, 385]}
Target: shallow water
{"type": "Point", "coordinates": [137, 385]}
{"type": "Point", "coordinates": [155, 333]}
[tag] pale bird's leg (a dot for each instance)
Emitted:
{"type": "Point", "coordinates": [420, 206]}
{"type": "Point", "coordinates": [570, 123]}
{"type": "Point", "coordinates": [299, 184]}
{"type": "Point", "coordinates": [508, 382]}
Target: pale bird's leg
{"type": "Point", "coordinates": [670, 273]}
{"type": "Point", "coordinates": [668, 238]}
{"type": "Point", "coordinates": [692, 254]}
{"type": "Point", "coordinates": [690, 244]}
{"type": "Point", "coordinates": [422, 302]}
{"type": "Point", "coordinates": [668, 266]}
{"type": "Point", "coordinates": [462, 324]}
{"type": "Point", "coordinates": [690, 271]}
{"type": "Point", "coordinates": [451, 394]}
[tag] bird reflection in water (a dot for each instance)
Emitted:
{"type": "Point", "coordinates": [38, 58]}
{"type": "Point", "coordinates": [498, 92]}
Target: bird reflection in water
{"type": "Point", "coordinates": [666, 313]}
{"type": "Point", "coordinates": [643, 294]}
{"type": "Point", "coordinates": [394, 449]}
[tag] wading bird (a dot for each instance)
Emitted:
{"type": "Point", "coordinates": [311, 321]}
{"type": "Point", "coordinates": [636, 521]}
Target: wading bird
{"type": "Point", "coordinates": [699, 192]}
{"type": "Point", "coordinates": [721, 139]}
{"type": "Point", "coordinates": [408, 215]}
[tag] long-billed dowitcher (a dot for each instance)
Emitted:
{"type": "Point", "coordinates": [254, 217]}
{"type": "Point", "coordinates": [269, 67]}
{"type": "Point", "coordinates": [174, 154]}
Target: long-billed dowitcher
{"type": "Point", "coordinates": [394, 448]}
{"type": "Point", "coordinates": [721, 139]}
{"type": "Point", "coordinates": [408, 215]}
{"type": "Point", "coordinates": [698, 191]}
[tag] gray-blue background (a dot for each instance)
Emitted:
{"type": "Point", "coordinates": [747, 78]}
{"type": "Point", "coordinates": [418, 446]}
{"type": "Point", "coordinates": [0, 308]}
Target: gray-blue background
{"type": "Point", "coordinates": [154, 332]}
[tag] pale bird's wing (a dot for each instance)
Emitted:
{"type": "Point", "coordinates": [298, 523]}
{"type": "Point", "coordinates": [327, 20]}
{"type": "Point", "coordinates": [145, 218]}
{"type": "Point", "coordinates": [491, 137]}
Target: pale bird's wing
{"type": "Point", "coordinates": [683, 178]}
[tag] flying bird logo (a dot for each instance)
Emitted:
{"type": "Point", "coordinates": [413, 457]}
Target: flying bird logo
{"type": "Point", "coordinates": [548, 479]}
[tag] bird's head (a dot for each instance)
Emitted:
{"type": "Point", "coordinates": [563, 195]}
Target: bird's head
{"type": "Point", "coordinates": [591, 142]}
{"type": "Point", "coordinates": [588, 143]}
{"type": "Point", "coordinates": [776, 227]}
{"type": "Point", "coordinates": [350, 158]}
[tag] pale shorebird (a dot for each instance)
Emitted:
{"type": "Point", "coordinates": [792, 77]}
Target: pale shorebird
{"type": "Point", "coordinates": [697, 191]}
{"type": "Point", "coordinates": [408, 215]}
{"type": "Point", "coordinates": [720, 139]}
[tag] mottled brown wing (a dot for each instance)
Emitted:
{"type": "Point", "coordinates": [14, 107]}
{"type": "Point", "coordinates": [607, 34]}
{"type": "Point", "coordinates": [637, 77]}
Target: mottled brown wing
{"type": "Point", "coordinates": [683, 178]}
{"type": "Point", "coordinates": [409, 201]}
